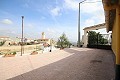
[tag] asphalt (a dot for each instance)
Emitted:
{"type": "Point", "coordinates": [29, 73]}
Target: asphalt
{"type": "Point", "coordinates": [67, 64]}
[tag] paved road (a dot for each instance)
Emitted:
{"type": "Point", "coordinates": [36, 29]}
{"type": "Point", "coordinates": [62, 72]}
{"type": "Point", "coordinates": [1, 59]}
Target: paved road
{"type": "Point", "coordinates": [67, 64]}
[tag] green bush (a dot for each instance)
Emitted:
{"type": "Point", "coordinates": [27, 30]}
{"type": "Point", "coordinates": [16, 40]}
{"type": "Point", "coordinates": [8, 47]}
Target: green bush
{"type": "Point", "coordinates": [2, 43]}
{"type": "Point", "coordinates": [0, 53]}
{"type": "Point", "coordinates": [14, 53]}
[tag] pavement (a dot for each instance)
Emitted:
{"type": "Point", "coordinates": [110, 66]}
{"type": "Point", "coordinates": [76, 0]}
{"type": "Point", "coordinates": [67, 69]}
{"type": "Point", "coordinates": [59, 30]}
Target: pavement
{"type": "Point", "coordinates": [67, 64]}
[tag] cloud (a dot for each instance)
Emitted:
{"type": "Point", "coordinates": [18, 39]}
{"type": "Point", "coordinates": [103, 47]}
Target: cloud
{"type": "Point", "coordinates": [91, 7]}
{"type": "Point", "coordinates": [26, 5]}
{"type": "Point", "coordinates": [94, 20]}
{"type": "Point", "coordinates": [51, 30]}
{"type": "Point", "coordinates": [55, 33]}
{"type": "Point", "coordinates": [89, 22]}
{"type": "Point", "coordinates": [85, 7]}
{"type": "Point", "coordinates": [6, 21]}
{"type": "Point", "coordinates": [94, 11]}
{"type": "Point", "coordinates": [55, 11]}
{"type": "Point", "coordinates": [29, 25]}
{"type": "Point", "coordinates": [52, 33]}
{"type": "Point", "coordinates": [71, 4]}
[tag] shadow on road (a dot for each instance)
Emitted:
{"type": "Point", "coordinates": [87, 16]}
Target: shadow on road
{"type": "Point", "coordinates": [75, 67]}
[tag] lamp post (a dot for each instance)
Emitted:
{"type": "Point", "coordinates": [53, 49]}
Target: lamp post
{"type": "Point", "coordinates": [51, 40]}
{"type": "Point", "coordinates": [79, 24]}
{"type": "Point", "coordinates": [22, 50]}
{"type": "Point", "coordinates": [79, 20]}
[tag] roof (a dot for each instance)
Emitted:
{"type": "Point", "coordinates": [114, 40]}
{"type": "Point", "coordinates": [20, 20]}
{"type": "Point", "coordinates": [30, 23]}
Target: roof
{"type": "Point", "coordinates": [110, 12]}
{"type": "Point", "coordinates": [4, 37]}
{"type": "Point", "coordinates": [43, 39]}
{"type": "Point", "coordinates": [95, 26]}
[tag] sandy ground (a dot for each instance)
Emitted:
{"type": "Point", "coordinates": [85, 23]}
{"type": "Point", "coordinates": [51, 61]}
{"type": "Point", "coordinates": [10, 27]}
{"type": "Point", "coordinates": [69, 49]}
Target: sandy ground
{"type": "Point", "coordinates": [67, 64]}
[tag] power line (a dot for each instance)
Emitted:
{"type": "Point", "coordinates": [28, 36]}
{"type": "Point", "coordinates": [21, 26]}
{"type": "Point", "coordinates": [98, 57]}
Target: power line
{"type": "Point", "coordinates": [92, 2]}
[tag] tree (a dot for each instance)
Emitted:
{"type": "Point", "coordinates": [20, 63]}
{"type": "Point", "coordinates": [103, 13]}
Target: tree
{"type": "Point", "coordinates": [96, 38]}
{"type": "Point", "coordinates": [63, 41]}
{"type": "Point", "coordinates": [92, 38]}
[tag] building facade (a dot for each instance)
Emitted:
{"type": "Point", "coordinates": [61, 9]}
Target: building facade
{"type": "Point", "coordinates": [86, 29]}
{"type": "Point", "coordinates": [112, 19]}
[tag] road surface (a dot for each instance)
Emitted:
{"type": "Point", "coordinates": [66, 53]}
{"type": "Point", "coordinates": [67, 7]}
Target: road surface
{"type": "Point", "coordinates": [67, 64]}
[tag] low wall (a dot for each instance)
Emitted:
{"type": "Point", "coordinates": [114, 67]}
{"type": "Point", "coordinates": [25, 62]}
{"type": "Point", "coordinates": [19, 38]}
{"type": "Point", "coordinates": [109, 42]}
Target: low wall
{"type": "Point", "coordinates": [107, 47]}
{"type": "Point", "coordinates": [17, 48]}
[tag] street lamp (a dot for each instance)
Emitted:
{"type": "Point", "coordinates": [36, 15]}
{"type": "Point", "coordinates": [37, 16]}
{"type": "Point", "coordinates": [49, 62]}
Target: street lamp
{"type": "Point", "coordinates": [79, 24]}
{"type": "Point", "coordinates": [22, 49]}
{"type": "Point", "coordinates": [51, 40]}
{"type": "Point", "coordinates": [79, 20]}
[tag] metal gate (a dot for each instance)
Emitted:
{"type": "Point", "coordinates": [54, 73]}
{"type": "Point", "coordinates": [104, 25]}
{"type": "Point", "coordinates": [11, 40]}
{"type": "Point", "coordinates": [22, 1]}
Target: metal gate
{"type": "Point", "coordinates": [97, 40]}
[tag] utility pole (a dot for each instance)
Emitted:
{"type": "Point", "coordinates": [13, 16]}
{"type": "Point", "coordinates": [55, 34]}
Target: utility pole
{"type": "Point", "coordinates": [22, 47]}
{"type": "Point", "coordinates": [79, 24]}
{"type": "Point", "coordinates": [79, 27]}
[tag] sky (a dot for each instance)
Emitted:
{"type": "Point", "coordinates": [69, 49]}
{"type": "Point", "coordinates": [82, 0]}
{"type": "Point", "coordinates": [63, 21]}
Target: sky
{"type": "Point", "coordinates": [50, 16]}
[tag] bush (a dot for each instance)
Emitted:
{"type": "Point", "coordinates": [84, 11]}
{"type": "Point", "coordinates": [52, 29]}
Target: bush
{"type": "Point", "coordinates": [29, 44]}
{"type": "Point", "coordinates": [14, 53]}
{"type": "Point", "coordinates": [2, 43]}
{"type": "Point", "coordinates": [0, 53]}
{"type": "Point", "coordinates": [34, 52]}
{"type": "Point", "coordinates": [10, 54]}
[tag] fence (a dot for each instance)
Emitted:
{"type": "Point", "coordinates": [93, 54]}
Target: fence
{"type": "Point", "coordinates": [100, 41]}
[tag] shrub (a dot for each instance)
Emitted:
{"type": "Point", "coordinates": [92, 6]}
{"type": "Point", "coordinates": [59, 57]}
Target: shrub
{"type": "Point", "coordinates": [29, 44]}
{"type": "Point", "coordinates": [2, 43]}
{"type": "Point", "coordinates": [14, 53]}
{"type": "Point", "coordinates": [0, 53]}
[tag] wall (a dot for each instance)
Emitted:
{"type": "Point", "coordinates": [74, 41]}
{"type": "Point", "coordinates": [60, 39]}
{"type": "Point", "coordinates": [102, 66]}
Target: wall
{"type": "Point", "coordinates": [116, 36]}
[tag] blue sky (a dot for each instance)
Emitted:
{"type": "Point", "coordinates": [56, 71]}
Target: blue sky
{"type": "Point", "coordinates": [50, 16]}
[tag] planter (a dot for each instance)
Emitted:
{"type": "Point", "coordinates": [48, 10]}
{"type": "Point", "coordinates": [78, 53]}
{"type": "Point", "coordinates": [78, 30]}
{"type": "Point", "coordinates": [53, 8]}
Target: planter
{"type": "Point", "coordinates": [61, 48]}
{"type": "Point", "coordinates": [11, 54]}
{"type": "Point", "coordinates": [34, 52]}
{"type": "Point", "coordinates": [8, 55]}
